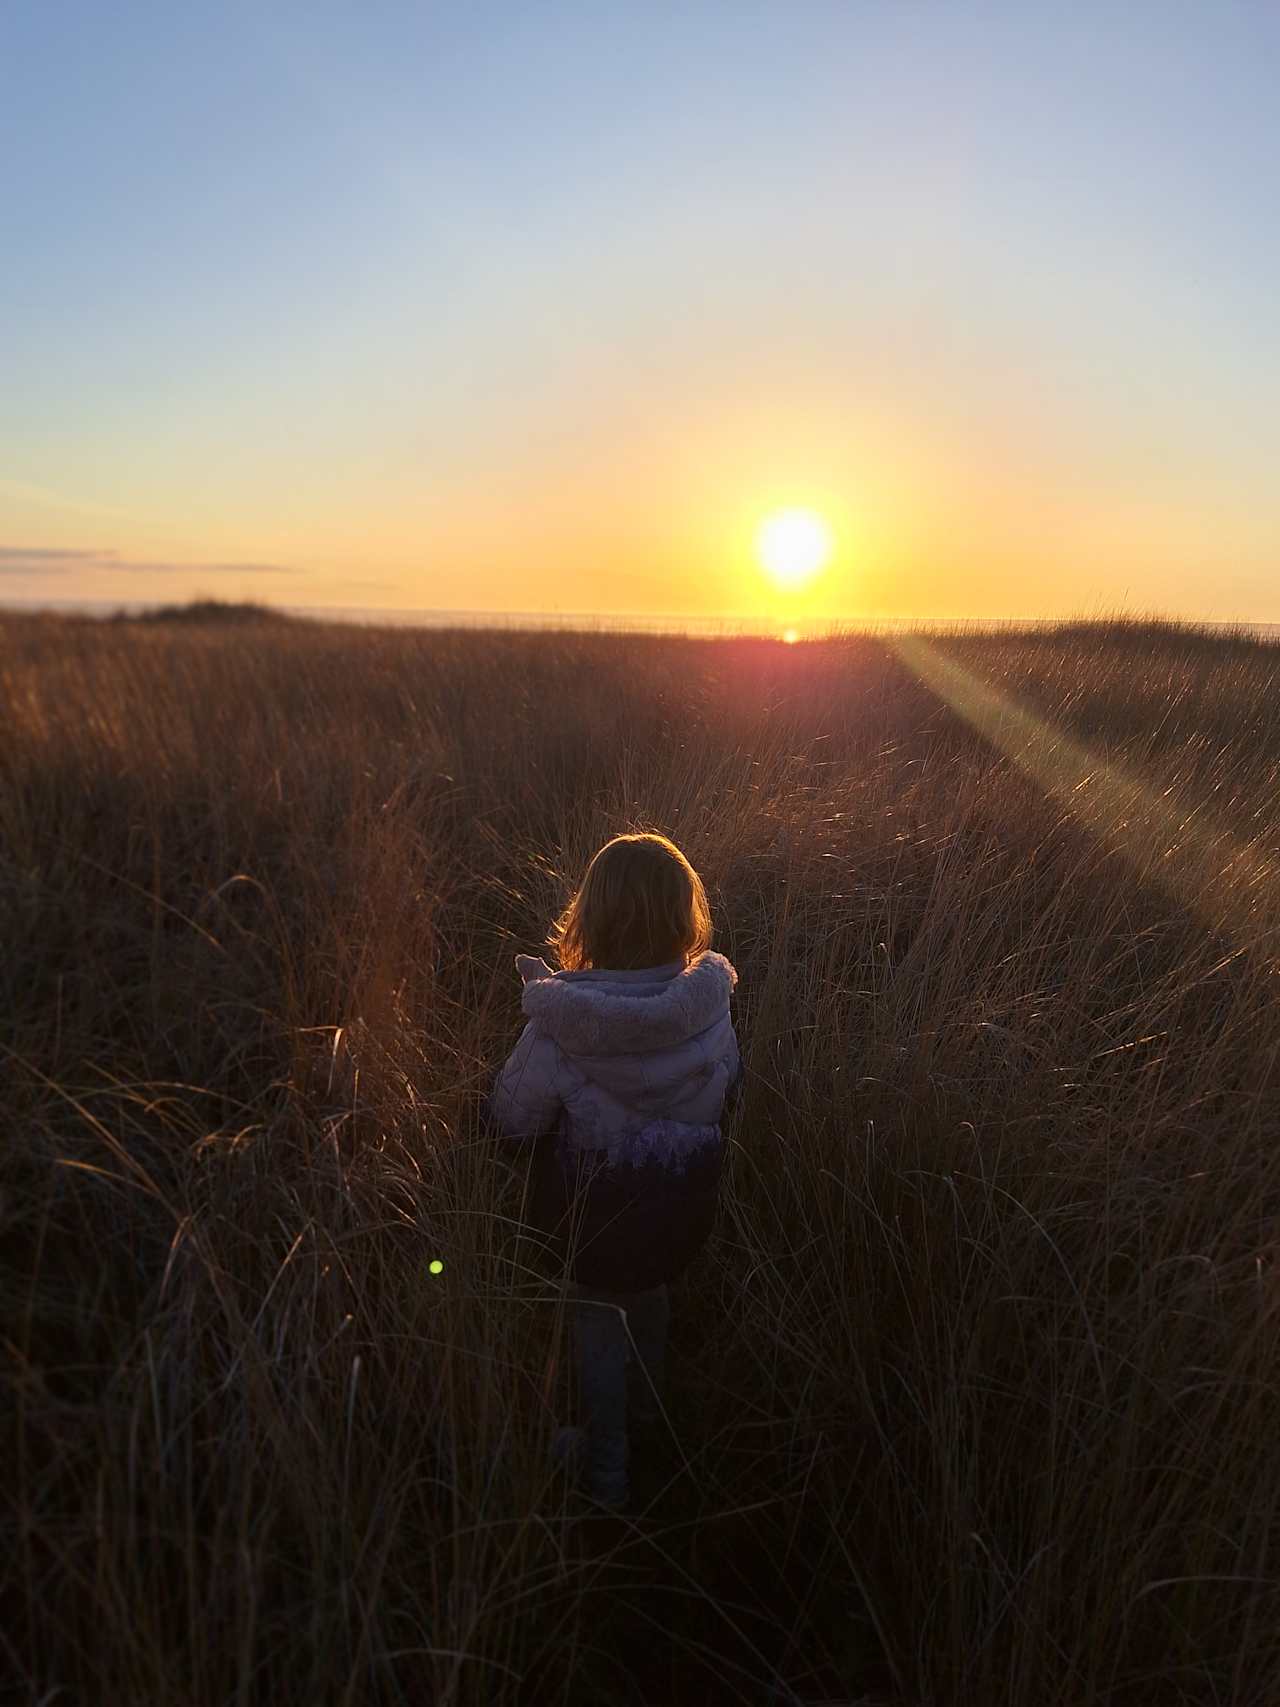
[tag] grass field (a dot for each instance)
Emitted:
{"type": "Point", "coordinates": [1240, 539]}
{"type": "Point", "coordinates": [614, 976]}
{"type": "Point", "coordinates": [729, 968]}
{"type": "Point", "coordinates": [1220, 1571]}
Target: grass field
{"type": "Point", "coordinates": [975, 1389]}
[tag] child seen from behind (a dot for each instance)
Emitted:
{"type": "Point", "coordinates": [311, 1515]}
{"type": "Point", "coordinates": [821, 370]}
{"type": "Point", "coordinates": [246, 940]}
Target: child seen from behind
{"type": "Point", "coordinates": [626, 1058]}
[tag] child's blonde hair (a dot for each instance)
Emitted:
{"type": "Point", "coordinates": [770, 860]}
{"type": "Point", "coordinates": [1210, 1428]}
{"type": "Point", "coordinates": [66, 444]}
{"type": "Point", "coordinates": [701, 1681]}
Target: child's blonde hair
{"type": "Point", "coordinates": [640, 904]}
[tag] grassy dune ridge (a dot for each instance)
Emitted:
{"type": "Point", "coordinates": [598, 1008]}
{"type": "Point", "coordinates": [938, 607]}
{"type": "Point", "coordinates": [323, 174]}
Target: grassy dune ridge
{"type": "Point", "coordinates": [974, 1393]}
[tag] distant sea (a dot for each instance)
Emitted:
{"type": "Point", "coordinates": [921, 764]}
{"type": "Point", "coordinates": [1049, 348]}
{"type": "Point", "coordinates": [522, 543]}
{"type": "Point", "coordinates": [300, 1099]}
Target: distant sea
{"type": "Point", "coordinates": [605, 622]}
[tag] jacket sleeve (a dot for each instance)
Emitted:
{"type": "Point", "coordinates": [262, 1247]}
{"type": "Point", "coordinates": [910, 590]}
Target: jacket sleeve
{"type": "Point", "coordinates": [526, 1101]}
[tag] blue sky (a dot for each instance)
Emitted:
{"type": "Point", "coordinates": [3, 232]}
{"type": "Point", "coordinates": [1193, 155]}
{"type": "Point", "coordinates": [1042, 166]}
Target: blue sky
{"type": "Point", "coordinates": [515, 306]}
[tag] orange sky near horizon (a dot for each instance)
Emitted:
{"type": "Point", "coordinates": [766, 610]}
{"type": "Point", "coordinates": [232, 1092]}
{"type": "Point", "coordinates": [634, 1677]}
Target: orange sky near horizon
{"type": "Point", "coordinates": [663, 521]}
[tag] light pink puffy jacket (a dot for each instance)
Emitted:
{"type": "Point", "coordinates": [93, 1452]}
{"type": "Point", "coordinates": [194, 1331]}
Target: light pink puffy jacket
{"type": "Point", "coordinates": [629, 1072]}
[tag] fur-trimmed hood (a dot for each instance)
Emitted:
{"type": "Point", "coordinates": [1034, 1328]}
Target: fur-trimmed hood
{"type": "Point", "coordinates": [626, 1013]}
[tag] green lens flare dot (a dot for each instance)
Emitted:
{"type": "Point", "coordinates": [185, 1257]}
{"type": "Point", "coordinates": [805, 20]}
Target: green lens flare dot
{"type": "Point", "coordinates": [436, 1267]}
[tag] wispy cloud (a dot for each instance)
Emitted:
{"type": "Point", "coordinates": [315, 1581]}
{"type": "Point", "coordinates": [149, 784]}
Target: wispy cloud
{"type": "Point", "coordinates": [46, 560]}
{"type": "Point", "coordinates": [206, 568]}
{"type": "Point", "coordinates": [58, 560]}
{"type": "Point", "coordinates": [47, 553]}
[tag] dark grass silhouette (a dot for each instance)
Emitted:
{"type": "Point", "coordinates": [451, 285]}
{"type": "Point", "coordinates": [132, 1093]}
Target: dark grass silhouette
{"type": "Point", "coordinates": [974, 1391]}
{"type": "Point", "coordinates": [218, 612]}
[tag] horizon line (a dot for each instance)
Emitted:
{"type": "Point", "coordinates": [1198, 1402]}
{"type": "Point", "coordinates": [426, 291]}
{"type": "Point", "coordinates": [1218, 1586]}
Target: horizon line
{"type": "Point", "coordinates": [470, 617]}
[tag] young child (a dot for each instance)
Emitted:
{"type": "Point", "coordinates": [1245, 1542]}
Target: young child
{"type": "Point", "coordinates": [627, 1057]}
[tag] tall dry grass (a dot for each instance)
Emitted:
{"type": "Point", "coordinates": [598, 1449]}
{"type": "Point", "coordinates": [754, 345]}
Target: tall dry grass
{"type": "Point", "coordinates": [974, 1391]}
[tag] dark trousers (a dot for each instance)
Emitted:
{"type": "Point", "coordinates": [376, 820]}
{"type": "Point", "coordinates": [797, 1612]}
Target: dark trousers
{"type": "Point", "coordinates": [620, 1342]}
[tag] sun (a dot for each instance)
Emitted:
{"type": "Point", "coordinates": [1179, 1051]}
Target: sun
{"type": "Point", "coordinates": [793, 545]}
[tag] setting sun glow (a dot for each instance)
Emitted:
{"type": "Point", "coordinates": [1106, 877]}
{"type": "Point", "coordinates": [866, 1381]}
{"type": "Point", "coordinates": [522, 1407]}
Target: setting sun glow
{"type": "Point", "coordinates": [793, 545]}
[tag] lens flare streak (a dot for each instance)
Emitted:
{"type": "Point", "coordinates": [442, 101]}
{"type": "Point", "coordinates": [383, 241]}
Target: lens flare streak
{"type": "Point", "coordinates": [1232, 886]}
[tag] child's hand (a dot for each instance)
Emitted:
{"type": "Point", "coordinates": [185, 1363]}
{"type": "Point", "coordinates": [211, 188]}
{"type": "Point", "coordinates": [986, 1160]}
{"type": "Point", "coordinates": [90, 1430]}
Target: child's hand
{"type": "Point", "coordinates": [530, 968]}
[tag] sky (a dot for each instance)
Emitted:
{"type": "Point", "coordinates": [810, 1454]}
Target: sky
{"type": "Point", "coordinates": [545, 307]}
